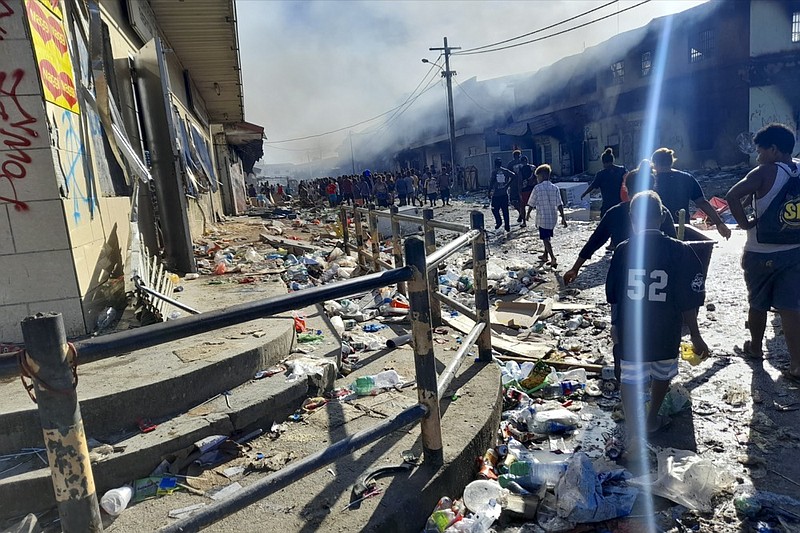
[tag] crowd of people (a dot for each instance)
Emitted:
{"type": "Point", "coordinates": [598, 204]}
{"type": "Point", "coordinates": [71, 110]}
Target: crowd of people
{"type": "Point", "coordinates": [384, 189]}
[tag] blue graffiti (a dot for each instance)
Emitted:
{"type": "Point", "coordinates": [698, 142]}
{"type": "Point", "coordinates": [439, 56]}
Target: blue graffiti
{"type": "Point", "coordinates": [73, 146]}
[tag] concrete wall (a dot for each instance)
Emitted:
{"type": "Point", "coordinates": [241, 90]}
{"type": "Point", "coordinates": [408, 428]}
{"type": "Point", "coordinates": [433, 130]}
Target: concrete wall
{"type": "Point", "coordinates": [35, 253]}
{"type": "Point", "coordinates": [771, 27]}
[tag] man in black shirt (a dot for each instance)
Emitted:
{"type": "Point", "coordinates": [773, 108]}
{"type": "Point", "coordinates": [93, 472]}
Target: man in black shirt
{"type": "Point", "coordinates": [616, 223]}
{"type": "Point", "coordinates": [656, 283]}
{"type": "Point", "coordinates": [676, 188]}
{"type": "Point", "coordinates": [609, 181]}
{"type": "Point", "coordinates": [513, 187]}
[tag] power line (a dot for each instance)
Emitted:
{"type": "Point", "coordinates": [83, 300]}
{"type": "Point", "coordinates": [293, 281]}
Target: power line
{"type": "Point", "coordinates": [470, 97]}
{"type": "Point", "coordinates": [557, 33]}
{"type": "Point", "coordinates": [358, 123]}
{"type": "Point", "coordinates": [468, 50]}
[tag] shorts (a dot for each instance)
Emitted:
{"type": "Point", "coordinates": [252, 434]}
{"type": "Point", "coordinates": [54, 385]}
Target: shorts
{"type": "Point", "coordinates": [772, 280]}
{"type": "Point", "coordinates": [636, 373]}
{"type": "Point", "coordinates": [525, 196]}
{"type": "Point", "coordinates": [545, 234]}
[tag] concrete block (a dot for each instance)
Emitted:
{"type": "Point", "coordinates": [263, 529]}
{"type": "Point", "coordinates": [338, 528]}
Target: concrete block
{"type": "Point", "coordinates": [6, 239]}
{"type": "Point", "coordinates": [37, 276]}
{"type": "Point", "coordinates": [41, 229]}
{"type": "Point", "coordinates": [14, 24]}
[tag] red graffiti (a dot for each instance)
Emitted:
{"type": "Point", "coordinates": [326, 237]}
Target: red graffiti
{"type": "Point", "coordinates": [16, 135]}
{"type": "Point", "coordinates": [5, 11]}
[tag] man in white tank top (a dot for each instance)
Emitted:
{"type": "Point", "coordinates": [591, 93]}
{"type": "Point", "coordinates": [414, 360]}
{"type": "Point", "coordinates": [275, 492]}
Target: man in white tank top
{"type": "Point", "coordinates": [771, 271]}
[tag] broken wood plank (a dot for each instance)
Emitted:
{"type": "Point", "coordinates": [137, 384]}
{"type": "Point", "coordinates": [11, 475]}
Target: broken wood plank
{"type": "Point", "coordinates": [293, 247]}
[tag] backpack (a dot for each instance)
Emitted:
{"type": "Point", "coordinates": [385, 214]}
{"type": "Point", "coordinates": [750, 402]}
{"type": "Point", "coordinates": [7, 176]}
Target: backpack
{"type": "Point", "coordinates": [780, 222]}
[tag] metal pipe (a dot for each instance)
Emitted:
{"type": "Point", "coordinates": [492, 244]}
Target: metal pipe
{"type": "Point", "coordinates": [450, 248]}
{"type": "Point", "coordinates": [450, 372]}
{"type": "Point", "coordinates": [47, 360]}
{"type": "Point", "coordinates": [408, 218]}
{"type": "Point", "coordinates": [441, 224]}
{"type": "Point", "coordinates": [424, 357]}
{"type": "Point", "coordinates": [397, 250]}
{"type": "Point", "coordinates": [433, 280]}
{"type": "Point", "coordinates": [293, 472]}
{"type": "Point", "coordinates": [140, 338]}
{"type": "Point", "coordinates": [144, 288]}
{"type": "Point", "coordinates": [455, 304]}
{"type": "Point", "coordinates": [481, 281]}
{"type": "Point", "coordinates": [375, 239]}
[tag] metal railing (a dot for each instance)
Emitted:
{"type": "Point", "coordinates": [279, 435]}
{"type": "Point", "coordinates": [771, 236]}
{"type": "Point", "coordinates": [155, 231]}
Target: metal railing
{"type": "Point", "coordinates": [47, 351]}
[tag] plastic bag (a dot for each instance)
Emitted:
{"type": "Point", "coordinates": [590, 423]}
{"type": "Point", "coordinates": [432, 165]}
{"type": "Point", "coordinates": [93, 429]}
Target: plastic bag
{"type": "Point", "coordinates": [687, 479]}
{"type": "Point", "coordinates": [583, 495]}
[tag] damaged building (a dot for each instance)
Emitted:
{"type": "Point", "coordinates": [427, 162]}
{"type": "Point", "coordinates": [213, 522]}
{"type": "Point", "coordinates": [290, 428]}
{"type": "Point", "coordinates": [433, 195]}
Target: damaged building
{"type": "Point", "coordinates": [699, 82]}
{"type": "Point", "coordinates": [123, 138]}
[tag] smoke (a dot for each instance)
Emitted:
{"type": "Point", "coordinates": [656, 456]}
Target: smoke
{"type": "Point", "coordinates": [312, 67]}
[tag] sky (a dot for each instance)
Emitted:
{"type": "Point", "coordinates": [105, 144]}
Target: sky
{"type": "Point", "coordinates": [310, 67]}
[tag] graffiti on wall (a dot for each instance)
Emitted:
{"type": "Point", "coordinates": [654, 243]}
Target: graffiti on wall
{"type": "Point", "coordinates": [70, 152]}
{"type": "Point", "coordinates": [52, 53]}
{"type": "Point", "coordinates": [16, 134]}
{"type": "Point", "coordinates": [5, 11]}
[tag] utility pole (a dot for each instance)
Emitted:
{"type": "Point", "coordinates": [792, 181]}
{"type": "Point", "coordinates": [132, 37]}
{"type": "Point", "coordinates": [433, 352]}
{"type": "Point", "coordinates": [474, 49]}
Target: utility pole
{"type": "Point", "coordinates": [447, 73]}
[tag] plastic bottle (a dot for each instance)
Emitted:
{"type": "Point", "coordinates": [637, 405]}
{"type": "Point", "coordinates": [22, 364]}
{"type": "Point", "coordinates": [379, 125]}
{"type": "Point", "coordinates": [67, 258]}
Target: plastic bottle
{"type": "Point", "coordinates": [191, 276]}
{"type": "Point", "coordinates": [530, 474]}
{"type": "Point", "coordinates": [554, 421]}
{"type": "Point", "coordinates": [365, 385]}
{"type": "Point", "coordinates": [116, 500]}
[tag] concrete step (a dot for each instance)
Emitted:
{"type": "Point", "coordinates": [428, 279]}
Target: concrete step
{"type": "Point", "coordinates": [154, 383]}
{"type": "Point", "coordinates": [255, 403]}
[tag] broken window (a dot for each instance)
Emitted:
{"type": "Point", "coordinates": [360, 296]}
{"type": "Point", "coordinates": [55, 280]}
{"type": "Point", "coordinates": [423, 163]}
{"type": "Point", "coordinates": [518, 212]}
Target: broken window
{"type": "Point", "coordinates": [618, 72]}
{"type": "Point", "coordinates": [701, 46]}
{"type": "Point", "coordinates": [647, 63]}
{"type": "Point", "coordinates": [796, 27]}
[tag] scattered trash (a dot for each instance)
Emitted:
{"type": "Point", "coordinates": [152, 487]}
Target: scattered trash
{"type": "Point", "coordinates": [370, 385]}
{"type": "Point", "coordinates": [116, 500]}
{"type": "Point", "coordinates": [687, 479]}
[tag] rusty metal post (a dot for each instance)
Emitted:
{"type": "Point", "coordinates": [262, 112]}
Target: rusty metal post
{"type": "Point", "coordinates": [397, 250]}
{"type": "Point", "coordinates": [375, 238]}
{"type": "Point", "coordinates": [433, 277]}
{"type": "Point", "coordinates": [345, 229]}
{"type": "Point", "coordinates": [50, 362]}
{"type": "Point", "coordinates": [424, 358]}
{"type": "Point", "coordinates": [359, 238]}
{"type": "Point", "coordinates": [481, 284]}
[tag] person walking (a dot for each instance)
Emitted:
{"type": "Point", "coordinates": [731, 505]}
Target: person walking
{"type": "Point", "coordinates": [655, 283]}
{"type": "Point", "coordinates": [608, 181]}
{"type": "Point", "coordinates": [546, 199]}
{"type": "Point", "coordinates": [676, 188]}
{"type": "Point", "coordinates": [771, 257]}
{"type": "Point", "coordinates": [499, 181]}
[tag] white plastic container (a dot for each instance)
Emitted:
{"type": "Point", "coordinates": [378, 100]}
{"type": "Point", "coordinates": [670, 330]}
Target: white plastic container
{"type": "Point", "coordinates": [116, 500]}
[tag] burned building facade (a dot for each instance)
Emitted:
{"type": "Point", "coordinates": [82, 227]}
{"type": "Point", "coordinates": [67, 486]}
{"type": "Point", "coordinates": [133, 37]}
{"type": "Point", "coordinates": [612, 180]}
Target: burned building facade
{"type": "Point", "coordinates": [699, 82]}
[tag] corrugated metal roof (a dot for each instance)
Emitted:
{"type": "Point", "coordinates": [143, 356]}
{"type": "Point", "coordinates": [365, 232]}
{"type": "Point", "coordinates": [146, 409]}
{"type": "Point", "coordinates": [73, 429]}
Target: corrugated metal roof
{"type": "Point", "coordinates": [203, 33]}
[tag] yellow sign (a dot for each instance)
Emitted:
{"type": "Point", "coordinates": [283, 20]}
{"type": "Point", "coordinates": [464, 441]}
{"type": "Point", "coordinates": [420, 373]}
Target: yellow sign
{"type": "Point", "coordinates": [52, 53]}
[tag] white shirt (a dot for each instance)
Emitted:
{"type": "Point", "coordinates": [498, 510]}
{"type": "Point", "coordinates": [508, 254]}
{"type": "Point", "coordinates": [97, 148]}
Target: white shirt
{"type": "Point", "coordinates": [546, 198]}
